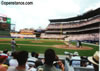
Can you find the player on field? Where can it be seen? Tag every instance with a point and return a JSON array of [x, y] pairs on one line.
[[13, 45]]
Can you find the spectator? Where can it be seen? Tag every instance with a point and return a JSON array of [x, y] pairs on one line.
[[75, 60], [5, 53], [89, 65], [31, 60], [49, 59], [3, 67], [83, 61], [36, 55], [58, 63], [33, 67], [21, 58], [38, 63], [13, 61], [95, 60]]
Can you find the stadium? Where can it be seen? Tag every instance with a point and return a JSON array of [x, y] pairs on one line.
[[85, 26], [61, 35]]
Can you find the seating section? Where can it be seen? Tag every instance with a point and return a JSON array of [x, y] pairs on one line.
[[67, 60]]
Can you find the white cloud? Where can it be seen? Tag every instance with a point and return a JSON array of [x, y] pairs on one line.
[[38, 14]]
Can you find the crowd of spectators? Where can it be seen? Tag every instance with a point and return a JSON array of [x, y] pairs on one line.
[[52, 36], [56, 29], [17, 35], [21, 61], [94, 36], [75, 60], [75, 24]]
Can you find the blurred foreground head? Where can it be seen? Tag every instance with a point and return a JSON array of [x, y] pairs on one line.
[[22, 57], [49, 56]]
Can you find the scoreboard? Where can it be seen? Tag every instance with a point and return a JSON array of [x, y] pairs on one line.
[[5, 23], [5, 20], [4, 26]]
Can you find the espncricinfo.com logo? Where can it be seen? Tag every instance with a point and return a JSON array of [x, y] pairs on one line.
[[16, 3]]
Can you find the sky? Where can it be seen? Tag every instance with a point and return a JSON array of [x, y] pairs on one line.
[[39, 14]]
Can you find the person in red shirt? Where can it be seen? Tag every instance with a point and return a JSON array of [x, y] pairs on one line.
[[3, 67]]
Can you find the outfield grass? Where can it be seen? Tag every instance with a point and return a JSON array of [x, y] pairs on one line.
[[49, 43]]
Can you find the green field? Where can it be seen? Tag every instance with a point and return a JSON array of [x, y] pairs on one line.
[[40, 45]]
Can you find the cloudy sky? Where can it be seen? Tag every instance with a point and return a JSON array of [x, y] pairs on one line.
[[38, 14]]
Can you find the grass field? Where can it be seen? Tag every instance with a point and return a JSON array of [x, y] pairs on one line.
[[41, 45]]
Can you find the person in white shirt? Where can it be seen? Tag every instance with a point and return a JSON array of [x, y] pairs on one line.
[[13, 61], [75, 60], [31, 62]]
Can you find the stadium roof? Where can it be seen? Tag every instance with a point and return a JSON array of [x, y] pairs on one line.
[[86, 15]]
